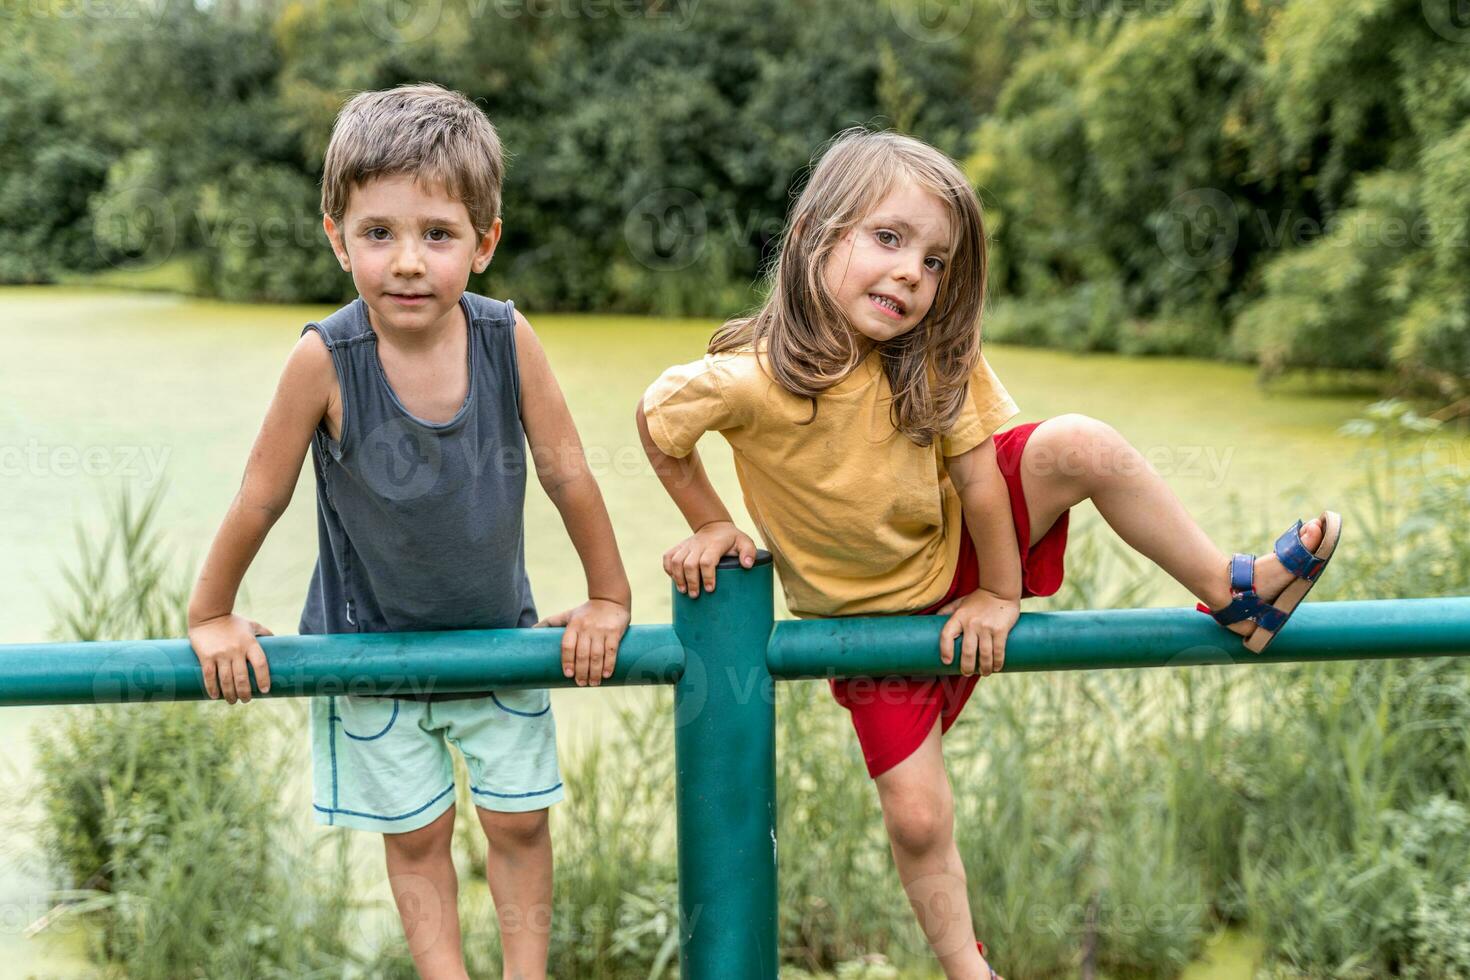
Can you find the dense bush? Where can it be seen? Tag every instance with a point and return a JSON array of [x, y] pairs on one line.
[[48, 173], [1284, 182]]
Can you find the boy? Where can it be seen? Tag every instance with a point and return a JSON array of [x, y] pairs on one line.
[[417, 400]]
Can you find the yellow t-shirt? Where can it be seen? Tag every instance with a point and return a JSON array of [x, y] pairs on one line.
[[857, 517]]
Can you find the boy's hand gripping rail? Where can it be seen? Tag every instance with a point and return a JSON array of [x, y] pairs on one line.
[[343, 663]]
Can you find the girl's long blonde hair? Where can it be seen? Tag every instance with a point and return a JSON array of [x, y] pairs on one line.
[[804, 333]]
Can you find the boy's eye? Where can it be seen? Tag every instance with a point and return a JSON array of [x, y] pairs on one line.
[[439, 231], [372, 233]]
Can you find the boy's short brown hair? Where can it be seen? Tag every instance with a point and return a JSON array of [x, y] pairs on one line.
[[426, 130]]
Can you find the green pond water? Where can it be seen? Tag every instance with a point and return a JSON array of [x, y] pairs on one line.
[[105, 388]]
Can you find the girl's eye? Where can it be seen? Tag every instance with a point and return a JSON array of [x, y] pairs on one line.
[[886, 237], [935, 263]]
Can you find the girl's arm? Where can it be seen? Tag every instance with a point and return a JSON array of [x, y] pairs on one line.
[[987, 506], [223, 641], [595, 628], [691, 563], [985, 617]]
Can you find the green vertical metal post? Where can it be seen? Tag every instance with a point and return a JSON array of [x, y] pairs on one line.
[[725, 756]]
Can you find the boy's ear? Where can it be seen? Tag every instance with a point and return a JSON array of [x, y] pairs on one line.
[[339, 247], [485, 249]]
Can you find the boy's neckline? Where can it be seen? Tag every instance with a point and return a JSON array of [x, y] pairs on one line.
[[380, 336], [469, 354]]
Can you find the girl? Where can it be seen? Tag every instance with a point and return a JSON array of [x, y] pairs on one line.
[[866, 427]]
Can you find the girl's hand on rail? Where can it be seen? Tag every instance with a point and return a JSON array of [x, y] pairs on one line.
[[224, 645], [985, 619], [589, 647], [691, 563]]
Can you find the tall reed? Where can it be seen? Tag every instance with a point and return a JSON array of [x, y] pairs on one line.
[[166, 820]]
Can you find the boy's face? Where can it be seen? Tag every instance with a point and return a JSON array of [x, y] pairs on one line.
[[410, 248], [885, 272]]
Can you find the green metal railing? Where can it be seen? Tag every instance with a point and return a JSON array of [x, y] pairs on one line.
[[722, 654]]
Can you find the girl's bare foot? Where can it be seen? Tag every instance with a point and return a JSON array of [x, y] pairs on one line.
[[1271, 577]]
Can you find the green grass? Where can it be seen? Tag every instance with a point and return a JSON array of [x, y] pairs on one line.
[[1234, 955], [173, 275]]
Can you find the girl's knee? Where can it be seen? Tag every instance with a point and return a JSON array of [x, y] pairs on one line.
[[1081, 448], [919, 815], [1081, 431], [919, 829], [515, 830]]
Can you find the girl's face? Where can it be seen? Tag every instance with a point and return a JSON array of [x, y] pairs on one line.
[[885, 271], [410, 249]]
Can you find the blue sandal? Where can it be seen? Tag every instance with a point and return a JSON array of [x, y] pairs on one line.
[[1305, 565]]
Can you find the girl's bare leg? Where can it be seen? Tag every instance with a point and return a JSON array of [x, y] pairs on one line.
[[1072, 458], [918, 810]]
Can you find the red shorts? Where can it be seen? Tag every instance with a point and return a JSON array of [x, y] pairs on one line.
[[893, 715]]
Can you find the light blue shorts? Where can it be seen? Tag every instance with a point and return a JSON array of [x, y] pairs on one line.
[[383, 764]]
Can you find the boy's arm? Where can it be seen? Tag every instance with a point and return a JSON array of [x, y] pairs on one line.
[[589, 645], [691, 563], [985, 616], [222, 640]]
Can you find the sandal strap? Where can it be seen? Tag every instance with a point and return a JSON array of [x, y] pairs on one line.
[[1242, 584], [1295, 557], [1243, 574], [1244, 603]]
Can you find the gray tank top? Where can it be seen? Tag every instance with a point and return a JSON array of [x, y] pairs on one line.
[[420, 524]]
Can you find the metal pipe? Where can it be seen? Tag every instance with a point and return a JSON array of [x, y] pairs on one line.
[[1096, 640], [351, 663], [467, 660], [725, 757]]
